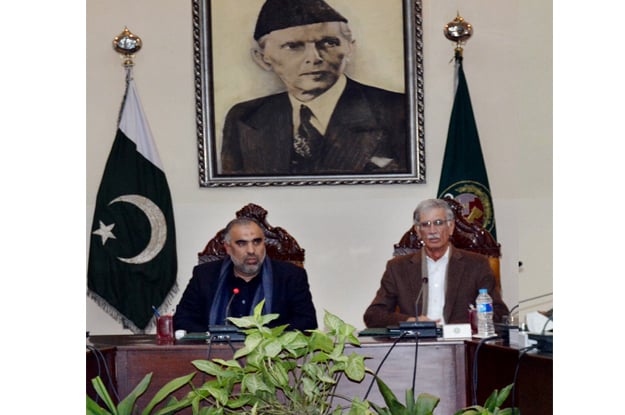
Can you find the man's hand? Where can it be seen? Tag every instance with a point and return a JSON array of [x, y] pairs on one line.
[[422, 318]]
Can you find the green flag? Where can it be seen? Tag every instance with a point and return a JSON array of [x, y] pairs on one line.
[[463, 176], [132, 254]]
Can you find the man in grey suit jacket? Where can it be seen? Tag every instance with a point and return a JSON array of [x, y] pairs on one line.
[[325, 123], [443, 279]]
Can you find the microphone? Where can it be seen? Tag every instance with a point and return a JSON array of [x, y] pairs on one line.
[[424, 283], [235, 291], [418, 329], [529, 299]]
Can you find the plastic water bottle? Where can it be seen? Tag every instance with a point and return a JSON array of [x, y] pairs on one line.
[[484, 305]]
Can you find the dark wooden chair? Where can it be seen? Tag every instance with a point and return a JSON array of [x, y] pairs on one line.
[[280, 244], [466, 235]]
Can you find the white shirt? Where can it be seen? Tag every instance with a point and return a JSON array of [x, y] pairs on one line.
[[436, 286], [322, 107]]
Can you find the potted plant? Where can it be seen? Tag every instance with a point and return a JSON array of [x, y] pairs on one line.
[[281, 372], [423, 405], [492, 405], [128, 405]]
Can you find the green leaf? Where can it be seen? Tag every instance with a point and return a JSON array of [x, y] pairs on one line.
[[243, 351], [94, 409], [411, 403], [491, 401], [353, 340], [380, 410], [390, 399], [243, 322], [239, 402], [426, 404], [273, 348], [355, 369], [173, 406], [295, 343], [253, 339], [332, 322], [320, 358], [100, 389], [503, 395], [312, 370], [321, 341], [166, 390], [326, 379], [345, 330], [310, 387], [227, 363], [359, 407], [218, 392], [469, 411], [127, 405], [270, 317], [258, 310], [337, 352], [209, 410], [254, 384], [209, 367], [279, 375]]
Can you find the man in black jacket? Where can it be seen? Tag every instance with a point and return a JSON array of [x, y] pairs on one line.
[[234, 286], [325, 122]]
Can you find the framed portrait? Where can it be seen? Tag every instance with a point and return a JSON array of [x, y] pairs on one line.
[[309, 92]]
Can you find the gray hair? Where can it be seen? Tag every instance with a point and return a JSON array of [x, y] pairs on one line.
[[430, 204], [238, 221]]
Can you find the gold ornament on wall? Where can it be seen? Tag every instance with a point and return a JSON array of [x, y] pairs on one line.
[[127, 44], [458, 31]]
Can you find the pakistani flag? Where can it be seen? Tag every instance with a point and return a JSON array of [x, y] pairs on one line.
[[132, 255], [463, 176]]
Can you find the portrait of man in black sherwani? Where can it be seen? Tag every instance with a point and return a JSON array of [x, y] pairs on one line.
[[324, 122]]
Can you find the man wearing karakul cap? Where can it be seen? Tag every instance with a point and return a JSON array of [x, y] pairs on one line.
[[325, 122]]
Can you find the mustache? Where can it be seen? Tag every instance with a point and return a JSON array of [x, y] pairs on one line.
[[434, 236]]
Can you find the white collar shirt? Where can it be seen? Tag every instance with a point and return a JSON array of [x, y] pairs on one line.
[[437, 270], [322, 107]]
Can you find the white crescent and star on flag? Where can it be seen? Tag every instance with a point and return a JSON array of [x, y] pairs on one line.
[[158, 226]]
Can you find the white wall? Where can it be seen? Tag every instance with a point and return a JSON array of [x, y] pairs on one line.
[[347, 231]]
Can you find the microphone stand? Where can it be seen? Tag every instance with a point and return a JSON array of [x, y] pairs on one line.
[[419, 329], [235, 291], [424, 283]]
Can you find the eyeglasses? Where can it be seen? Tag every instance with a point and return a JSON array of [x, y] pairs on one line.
[[437, 223]]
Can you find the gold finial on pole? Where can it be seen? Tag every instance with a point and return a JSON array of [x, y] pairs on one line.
[[458, 31], [127, 44]]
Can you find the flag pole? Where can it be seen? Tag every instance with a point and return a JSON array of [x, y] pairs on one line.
[[463, 172], [132, 254], [458, 31], [126, 44]]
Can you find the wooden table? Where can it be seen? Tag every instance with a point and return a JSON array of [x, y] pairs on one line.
[[440, 366], [496, 367], [444, 369]]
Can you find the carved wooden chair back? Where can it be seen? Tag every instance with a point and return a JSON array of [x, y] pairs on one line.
[[466, 235], [280, 244]]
